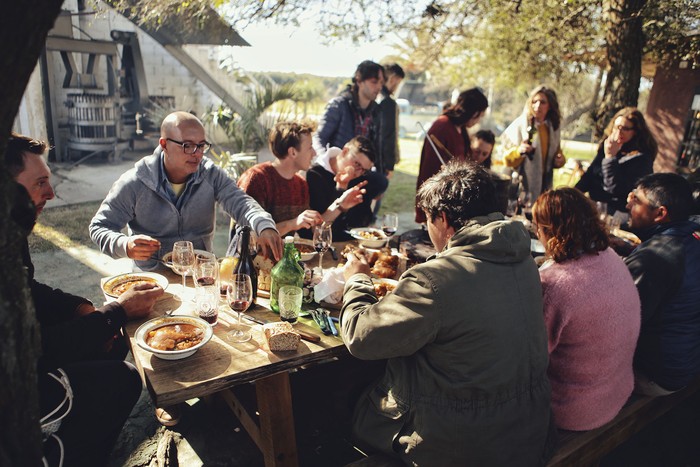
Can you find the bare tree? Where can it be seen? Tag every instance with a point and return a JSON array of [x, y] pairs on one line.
[[22, 35]]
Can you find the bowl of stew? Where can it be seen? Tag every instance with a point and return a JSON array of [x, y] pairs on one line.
[[173, 337], [305, 248]]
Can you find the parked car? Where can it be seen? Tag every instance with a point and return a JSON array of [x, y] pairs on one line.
[[411, 115]]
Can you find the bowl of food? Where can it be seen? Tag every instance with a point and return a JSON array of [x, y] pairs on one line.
[[173, 337], [305, 248], [199, 254], [383, 287], [369, 236], [114, 286]]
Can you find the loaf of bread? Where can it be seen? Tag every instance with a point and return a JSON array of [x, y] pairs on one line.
[[281, 336]]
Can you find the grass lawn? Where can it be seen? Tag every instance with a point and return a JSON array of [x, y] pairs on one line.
[[400, 196]]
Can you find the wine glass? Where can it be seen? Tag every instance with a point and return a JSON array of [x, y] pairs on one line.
[[239, 296], [183, 259], [323, 237], [390, 223], [206, 270]]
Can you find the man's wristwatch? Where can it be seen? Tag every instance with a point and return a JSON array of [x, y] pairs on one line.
[[336, 205]]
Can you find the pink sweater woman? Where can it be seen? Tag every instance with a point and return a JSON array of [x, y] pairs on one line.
[[591, 310]]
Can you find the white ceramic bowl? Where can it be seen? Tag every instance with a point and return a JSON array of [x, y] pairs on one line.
[[304, 241], [377, 238], [148, 326], [109, 284], [168, 258]]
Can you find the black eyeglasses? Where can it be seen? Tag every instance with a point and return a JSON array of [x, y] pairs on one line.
[[191, 148]]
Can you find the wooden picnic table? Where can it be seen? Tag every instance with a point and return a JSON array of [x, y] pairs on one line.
[[220, 365]]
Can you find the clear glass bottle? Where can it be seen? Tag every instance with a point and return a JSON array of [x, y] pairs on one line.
[[286, 272]]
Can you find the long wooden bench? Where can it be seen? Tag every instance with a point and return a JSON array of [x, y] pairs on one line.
[[588, 447]]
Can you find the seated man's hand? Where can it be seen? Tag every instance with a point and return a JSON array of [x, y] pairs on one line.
[[270, 243], [141, 247], [353, 196], [357, 263], [139, 299], [308, 219]]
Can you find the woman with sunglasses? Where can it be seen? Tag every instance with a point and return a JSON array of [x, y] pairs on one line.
[[625, 155]]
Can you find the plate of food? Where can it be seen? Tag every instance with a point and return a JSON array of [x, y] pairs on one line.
[[305, 248], [369, 236], [173, 337], [199, 254], [384, 262], [114, 286], [383, 287]]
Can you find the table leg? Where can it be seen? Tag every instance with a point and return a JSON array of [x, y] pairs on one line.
[[276, 420]]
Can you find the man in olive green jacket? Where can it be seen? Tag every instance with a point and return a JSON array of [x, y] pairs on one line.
[[465, 381]]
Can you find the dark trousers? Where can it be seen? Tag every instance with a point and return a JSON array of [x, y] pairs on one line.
[[104, 392]]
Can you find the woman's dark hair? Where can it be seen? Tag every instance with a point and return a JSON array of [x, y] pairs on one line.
[[553, 115], [486, 135], [469, 104], [642, 140], [570, 222], [461, 189]]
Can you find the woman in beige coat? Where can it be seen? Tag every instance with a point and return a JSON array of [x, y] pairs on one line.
[[465, 381]]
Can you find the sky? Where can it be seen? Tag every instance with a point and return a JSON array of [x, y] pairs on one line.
[[299, 50]]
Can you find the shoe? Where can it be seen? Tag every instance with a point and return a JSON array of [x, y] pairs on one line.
[[169, 416]]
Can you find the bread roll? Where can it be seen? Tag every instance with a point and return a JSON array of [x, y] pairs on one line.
[[281, 336]]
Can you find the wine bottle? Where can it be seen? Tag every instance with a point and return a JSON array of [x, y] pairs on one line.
[[286, 272], [531, 130], [245, 262]]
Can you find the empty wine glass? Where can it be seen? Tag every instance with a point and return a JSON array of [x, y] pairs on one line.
[[390, 223], [323, 237], [239, 296], [183, 259]]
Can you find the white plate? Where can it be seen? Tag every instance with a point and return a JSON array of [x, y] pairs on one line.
[[168, 258], [370, 243], [304, 241], [536, 247], [155, 323], [390, 282], [109, 283]]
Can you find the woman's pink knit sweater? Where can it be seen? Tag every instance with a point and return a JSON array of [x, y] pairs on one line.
[[592, 313]]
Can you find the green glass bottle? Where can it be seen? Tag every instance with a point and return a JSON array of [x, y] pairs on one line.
[[286, 272]]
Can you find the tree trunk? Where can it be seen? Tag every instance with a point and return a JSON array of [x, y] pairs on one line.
[[23, 31], [625, 41]]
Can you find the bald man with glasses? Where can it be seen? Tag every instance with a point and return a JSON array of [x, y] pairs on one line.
[[171, 195]]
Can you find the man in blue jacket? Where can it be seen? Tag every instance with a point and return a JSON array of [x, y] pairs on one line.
[[355, 113], [666, 270], [171, 195]]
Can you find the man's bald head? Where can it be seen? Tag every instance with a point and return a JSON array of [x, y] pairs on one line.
[[177, 120]]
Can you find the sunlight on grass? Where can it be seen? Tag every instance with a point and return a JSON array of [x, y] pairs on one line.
[[89, 257]]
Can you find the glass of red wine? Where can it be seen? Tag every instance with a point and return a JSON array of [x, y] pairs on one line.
[[390, 223], [239, 296], [323, 237], [206, 270]]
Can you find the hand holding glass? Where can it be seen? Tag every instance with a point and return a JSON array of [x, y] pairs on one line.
[[239, 296]]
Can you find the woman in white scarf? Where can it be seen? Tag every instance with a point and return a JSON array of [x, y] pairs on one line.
[[537, 158]]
